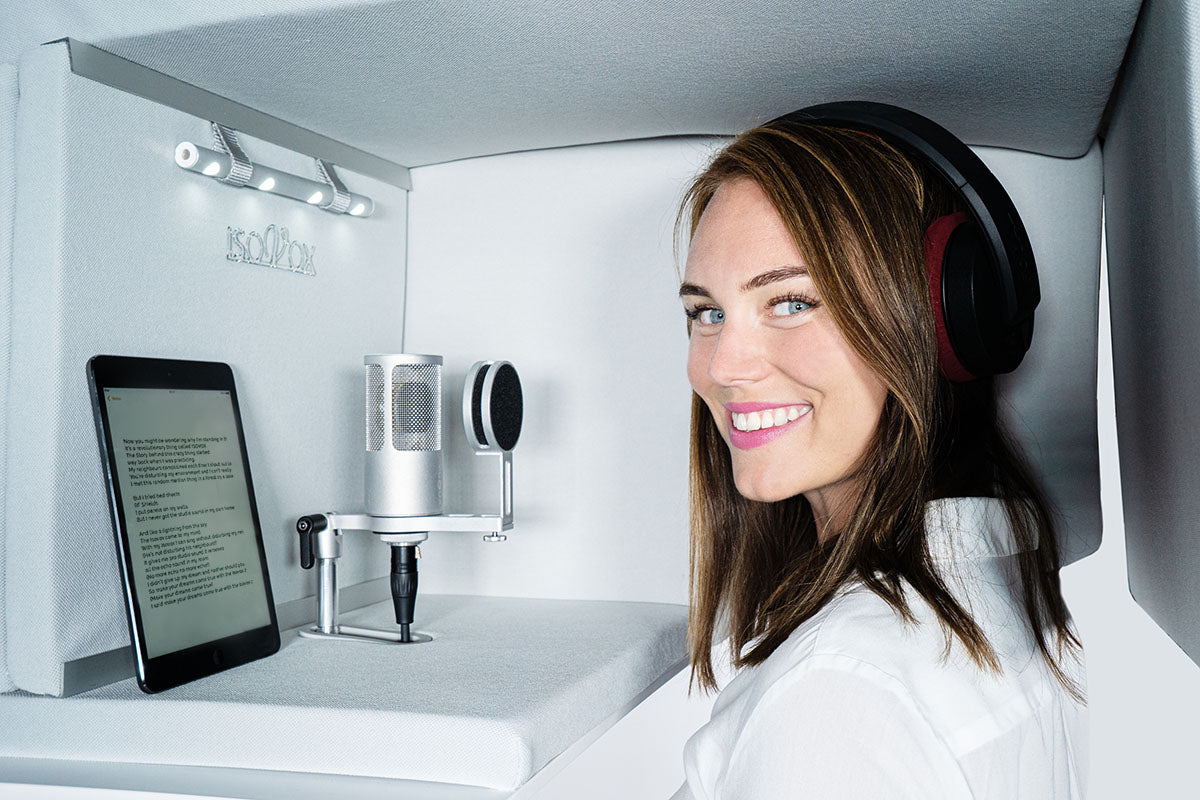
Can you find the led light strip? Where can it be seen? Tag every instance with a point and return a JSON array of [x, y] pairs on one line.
[[217, 165]]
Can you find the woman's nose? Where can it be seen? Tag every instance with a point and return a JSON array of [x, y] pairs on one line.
[[737, 356]]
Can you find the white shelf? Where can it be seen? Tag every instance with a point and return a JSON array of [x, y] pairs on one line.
[[506, 685]]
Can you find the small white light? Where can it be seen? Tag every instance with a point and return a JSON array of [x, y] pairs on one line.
[[186, 154], [282, 184]]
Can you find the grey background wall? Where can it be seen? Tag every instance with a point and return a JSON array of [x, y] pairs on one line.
[[560, 261]]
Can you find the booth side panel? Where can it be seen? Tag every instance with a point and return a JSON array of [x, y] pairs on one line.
[[1152, 203], [8, 194], [120, 251], [30, 610]]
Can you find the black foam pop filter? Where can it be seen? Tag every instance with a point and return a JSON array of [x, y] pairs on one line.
[[506, 406], [493, 406]]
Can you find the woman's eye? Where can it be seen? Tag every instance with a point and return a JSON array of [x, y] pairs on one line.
[[787, 308], [706, 316]]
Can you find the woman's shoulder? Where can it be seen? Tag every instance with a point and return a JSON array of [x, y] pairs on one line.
[[860, 635], [859, 632], [863, 626]]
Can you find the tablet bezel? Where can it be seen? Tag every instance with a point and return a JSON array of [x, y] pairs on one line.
[[181, 666]]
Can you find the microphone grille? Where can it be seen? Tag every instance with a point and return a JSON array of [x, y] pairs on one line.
[[375, 407], [417, 407]]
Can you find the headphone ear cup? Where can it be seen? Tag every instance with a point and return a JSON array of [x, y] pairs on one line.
[[935, 244]]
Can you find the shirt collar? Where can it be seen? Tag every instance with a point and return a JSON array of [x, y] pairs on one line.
[[969, 528]]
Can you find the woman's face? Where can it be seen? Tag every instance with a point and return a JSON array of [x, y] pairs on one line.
[[795, 404]]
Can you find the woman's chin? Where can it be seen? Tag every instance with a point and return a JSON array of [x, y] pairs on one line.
[[758, 487]]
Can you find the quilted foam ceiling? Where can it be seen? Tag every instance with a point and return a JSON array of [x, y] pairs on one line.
[[427, 81]]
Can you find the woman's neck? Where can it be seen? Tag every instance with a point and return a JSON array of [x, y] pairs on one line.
[[831, 506]]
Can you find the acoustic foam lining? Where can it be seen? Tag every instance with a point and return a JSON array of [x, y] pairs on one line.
[[423, 83]]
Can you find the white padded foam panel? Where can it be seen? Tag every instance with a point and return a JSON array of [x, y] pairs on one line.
[[560, 261], [421, 83], [1050, 399], [1152, 199], [118, 250], [8, 193], [505, 686]]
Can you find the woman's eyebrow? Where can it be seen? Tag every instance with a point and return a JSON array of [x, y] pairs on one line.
[[773, 276], [757, 282]]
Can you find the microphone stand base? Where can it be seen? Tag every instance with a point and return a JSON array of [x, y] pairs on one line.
[[347, 633]]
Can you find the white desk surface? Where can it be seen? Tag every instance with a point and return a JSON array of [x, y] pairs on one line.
[[506, 685]]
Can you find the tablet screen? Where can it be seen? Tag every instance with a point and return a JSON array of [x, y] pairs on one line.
[[194, 556]]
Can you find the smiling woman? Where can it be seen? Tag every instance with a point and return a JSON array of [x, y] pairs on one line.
[[763, 348], [863, 530]]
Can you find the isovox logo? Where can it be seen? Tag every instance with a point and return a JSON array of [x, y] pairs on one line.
[[272, 248]]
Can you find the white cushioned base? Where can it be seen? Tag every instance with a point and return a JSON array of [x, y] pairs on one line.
[[505, 686]]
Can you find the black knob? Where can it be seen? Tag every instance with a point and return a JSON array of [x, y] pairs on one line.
[[308, 528]]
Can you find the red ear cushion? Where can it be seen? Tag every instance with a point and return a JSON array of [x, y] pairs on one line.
[[936, 237]]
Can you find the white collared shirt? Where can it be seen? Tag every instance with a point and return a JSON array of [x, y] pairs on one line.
[[857, 705]]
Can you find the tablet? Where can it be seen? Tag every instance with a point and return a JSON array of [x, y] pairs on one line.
[[188, 539]]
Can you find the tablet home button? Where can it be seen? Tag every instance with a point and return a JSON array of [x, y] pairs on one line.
[[218, 657]]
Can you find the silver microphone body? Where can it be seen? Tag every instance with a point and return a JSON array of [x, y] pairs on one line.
[[403, 435]]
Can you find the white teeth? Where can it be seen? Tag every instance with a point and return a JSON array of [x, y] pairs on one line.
[[769, 418]]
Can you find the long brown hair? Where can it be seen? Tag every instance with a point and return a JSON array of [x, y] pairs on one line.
[[857, 209]]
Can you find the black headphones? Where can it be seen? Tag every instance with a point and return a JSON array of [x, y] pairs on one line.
[[982, 277]]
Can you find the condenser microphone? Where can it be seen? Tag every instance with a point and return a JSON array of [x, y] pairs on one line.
[[403, 488], [403, 435]]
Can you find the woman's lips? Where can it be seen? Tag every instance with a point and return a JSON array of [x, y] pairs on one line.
[[748, 440]]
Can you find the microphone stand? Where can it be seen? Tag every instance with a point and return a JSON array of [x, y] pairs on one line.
[[321, 541]]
